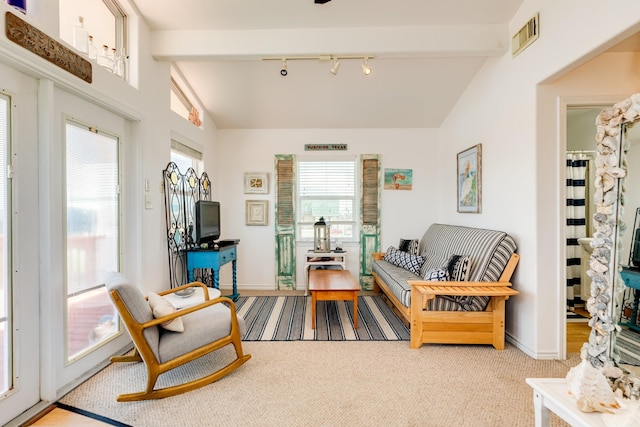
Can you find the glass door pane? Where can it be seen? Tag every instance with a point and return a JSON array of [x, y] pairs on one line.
[[6, 374], [92, 236]]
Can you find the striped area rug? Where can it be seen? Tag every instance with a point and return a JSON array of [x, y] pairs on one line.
[[288, 318], [628, 346]]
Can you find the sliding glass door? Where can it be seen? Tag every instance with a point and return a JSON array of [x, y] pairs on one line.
[[6, 341], [19, 258]]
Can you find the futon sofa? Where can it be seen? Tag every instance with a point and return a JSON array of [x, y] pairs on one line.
[[451, 286]]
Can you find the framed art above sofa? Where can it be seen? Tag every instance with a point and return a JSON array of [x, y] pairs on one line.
[[469, 177]]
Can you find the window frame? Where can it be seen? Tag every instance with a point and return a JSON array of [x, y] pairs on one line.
[[180, 88], [184, 150], [120, 26], [73, 357], [354, 222]]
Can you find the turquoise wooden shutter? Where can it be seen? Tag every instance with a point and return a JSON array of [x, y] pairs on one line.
[[369, 217], [285, 223]]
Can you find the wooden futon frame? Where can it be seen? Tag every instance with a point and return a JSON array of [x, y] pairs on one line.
[[455, 327]]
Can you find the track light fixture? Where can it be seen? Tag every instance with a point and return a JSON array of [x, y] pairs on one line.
[[366, 70], [336, 65]]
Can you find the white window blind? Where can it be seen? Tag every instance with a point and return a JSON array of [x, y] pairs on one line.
[[92, 184], [327, 188], [185, 157]]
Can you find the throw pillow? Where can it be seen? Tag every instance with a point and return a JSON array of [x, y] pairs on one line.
[[161, 307], [458, 268], [404, 259], [437, 275], [409, 245]]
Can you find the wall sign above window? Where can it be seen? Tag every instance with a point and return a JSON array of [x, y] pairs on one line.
[[325, 147]]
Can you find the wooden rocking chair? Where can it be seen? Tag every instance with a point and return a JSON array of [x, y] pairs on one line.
[[208, 326]]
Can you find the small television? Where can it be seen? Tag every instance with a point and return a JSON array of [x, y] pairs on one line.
[[207, 221]]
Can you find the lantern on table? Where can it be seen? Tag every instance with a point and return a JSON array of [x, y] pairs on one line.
[[321, 236]]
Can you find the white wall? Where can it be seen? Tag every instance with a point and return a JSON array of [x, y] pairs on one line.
[[581, 129], [517, 124], [405, 214]]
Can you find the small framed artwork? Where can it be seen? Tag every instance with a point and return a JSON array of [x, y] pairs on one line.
[[398, 179], [256, 183], [469, 178], [257, 212]]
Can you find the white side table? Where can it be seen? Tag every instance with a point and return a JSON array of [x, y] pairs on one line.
[[196, 298], [551, 395], [322, 259]]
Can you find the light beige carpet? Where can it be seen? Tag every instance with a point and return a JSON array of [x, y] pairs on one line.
[[306, 383]]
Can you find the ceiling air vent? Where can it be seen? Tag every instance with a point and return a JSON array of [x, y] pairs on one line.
[[527, 35]]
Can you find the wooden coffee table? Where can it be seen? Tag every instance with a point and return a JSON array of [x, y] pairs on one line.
[[333, 285]]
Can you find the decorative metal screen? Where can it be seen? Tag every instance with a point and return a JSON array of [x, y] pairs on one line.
[[181, 192]]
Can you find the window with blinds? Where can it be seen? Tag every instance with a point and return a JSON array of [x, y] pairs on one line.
[[327, 188], [92, 234], [185, 157]]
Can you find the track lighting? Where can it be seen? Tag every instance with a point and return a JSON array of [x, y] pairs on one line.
[[336, 65], [366, 70]]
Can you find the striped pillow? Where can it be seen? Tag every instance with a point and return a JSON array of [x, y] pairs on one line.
[[458, 268]]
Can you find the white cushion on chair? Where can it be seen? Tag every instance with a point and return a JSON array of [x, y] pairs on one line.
[[161, 307]]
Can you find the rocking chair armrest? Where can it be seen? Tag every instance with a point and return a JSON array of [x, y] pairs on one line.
[[186, 286], [184, 311]]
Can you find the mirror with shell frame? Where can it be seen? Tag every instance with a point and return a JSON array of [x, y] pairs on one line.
[[613, 305]]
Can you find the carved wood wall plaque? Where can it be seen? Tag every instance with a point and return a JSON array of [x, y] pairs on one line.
[[34, 40]]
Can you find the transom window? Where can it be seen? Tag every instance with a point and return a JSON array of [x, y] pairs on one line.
[[327, 188], [184, 101], [104, 20]]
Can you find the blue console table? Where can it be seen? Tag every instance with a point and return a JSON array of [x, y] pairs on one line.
[[631, 279], [214, 259]]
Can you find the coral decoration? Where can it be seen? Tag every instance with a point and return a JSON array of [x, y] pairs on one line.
[[194, 116]]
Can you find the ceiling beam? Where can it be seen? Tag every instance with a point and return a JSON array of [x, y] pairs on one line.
[[383, 42]]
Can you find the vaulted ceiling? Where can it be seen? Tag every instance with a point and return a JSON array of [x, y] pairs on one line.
[[424, 54]]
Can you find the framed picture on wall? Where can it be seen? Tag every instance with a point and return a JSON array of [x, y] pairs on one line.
[[469, 179], [256, 183], [257, 212], [398, 179]]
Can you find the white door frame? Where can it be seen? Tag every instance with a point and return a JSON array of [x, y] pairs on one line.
[[565, 103]]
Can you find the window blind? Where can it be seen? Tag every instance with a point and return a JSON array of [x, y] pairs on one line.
[[184, 149], [326, 178], [327, 189]]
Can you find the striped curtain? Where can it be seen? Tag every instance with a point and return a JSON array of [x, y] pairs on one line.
[[576, 227]]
